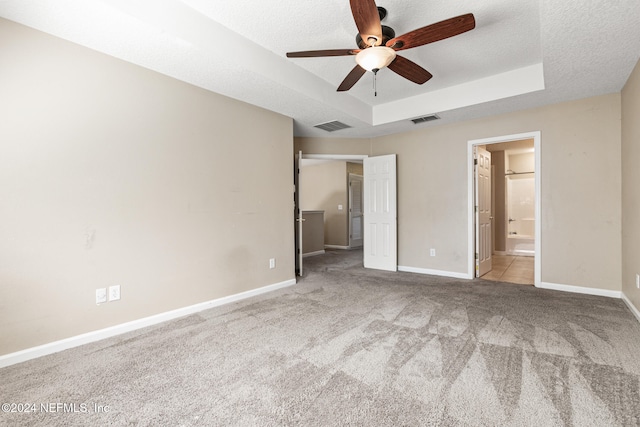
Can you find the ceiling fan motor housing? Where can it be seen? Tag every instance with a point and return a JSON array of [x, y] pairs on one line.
[[387, 34]]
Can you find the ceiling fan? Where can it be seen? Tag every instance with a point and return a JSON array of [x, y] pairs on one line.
[[378, 44]]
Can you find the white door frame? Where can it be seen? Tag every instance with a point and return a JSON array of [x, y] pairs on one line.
[[470, 199]]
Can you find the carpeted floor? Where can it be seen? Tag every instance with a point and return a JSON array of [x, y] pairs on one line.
[[348, 346]]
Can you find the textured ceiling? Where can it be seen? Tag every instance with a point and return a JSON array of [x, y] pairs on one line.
[[521, 54]]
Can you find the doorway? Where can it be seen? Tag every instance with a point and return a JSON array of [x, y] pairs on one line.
[[514, 249], [355, 200], [323, 186], [378, 206]]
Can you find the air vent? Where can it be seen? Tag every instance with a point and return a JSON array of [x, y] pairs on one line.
[[332, 126], [430, 118]]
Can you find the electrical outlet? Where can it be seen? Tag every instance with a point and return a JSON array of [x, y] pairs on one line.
[[432, 252], [101, 295], [114, 293], [272, 263], [637, 280]]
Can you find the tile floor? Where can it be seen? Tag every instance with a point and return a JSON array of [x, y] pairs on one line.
[[512, 269]]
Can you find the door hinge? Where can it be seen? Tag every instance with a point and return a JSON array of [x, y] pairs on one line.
[[475, 162]]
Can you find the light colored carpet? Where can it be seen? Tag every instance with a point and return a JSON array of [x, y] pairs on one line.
[[348, 346]]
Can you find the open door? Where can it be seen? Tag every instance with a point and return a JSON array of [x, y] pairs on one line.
[[297, 213], [380, 213], [482, 165], [355, 211]]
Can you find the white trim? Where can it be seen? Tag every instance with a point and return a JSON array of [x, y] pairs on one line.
[[632, 307], [336, 247], [89, 337], [492, 88], [580, 290], [308, 254], [433, 272], [537, 268], [334, 156]]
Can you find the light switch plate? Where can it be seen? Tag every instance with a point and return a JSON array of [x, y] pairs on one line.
[[114, 293]]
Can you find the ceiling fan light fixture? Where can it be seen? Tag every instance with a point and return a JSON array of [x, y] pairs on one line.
[[375, 58]]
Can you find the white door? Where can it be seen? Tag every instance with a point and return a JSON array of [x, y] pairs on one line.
[[380, 213], [297, 213], [355, 210], [483, 211]]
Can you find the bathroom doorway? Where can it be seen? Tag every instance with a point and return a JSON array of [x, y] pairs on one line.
[[514, 251]]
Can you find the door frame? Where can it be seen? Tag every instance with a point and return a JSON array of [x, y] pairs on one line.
[[535, 135]]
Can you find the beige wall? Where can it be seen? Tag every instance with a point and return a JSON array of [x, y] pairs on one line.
[[354, 168], [323, 187], [332, 145], [580, 158], [580, 186], [631, 186], [113, 174], [521, 162]]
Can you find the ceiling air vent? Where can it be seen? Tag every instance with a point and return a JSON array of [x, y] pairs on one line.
[[332, 126], [430, 118]]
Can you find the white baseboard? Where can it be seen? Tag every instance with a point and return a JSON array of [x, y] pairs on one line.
[[89, 337], [336, 247], [313, 253], [580, 290], [632, 307], [433, 272]]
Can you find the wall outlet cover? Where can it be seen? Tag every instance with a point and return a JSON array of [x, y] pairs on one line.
[[432, 252], [101, 295], [272, 263]]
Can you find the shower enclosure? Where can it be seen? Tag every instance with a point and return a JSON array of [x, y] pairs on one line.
[[521, 213]]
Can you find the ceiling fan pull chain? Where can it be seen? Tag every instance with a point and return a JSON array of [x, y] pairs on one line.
[[375, 86]]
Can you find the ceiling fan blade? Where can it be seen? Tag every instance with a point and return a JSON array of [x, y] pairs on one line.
[[365, 13], [434, 32], [352, 78], [318, 53], [409, 70]]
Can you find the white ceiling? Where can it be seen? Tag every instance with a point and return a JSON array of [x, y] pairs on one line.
[[522, 54]]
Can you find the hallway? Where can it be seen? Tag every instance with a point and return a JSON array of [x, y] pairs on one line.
[[512, 269]]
